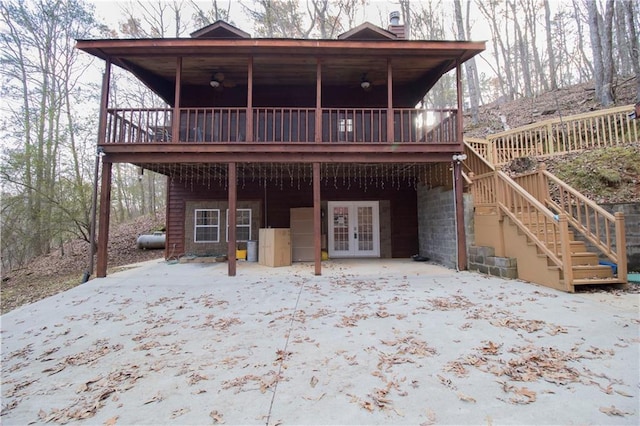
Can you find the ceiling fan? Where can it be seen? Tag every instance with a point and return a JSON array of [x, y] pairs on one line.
[[368, 84], [218, 81]]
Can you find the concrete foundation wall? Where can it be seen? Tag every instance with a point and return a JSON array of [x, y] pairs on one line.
[[632, 231], [437, 227]]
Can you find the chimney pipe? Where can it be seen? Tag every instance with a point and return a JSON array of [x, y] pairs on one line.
[[394, 25], [394, 17]]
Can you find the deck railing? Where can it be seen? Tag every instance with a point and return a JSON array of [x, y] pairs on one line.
[[609, 127], [269, 124], [129, 125]]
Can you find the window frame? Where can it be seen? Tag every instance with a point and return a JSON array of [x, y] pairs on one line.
[[196, 226], [240, 226]]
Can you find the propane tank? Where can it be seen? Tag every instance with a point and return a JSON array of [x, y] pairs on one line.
[[152, 241]]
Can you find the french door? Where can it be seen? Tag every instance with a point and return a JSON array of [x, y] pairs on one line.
[[354, 229]]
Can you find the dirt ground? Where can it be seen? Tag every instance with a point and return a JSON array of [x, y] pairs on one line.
[[64, 268]]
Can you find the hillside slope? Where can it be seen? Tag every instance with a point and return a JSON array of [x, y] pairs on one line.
[[557, 103], [609, 175], [64, 268]]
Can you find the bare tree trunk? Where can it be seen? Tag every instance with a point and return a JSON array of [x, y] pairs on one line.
[[469, 69], [498, 46], [596, 47], [579, 21], [634, 44], [553, 82], [607, 54]]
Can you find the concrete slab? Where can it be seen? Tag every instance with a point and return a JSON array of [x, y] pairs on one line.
[[368, 342]]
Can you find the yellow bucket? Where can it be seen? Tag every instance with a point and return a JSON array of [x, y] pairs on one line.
[[325, 255], [241, 254]]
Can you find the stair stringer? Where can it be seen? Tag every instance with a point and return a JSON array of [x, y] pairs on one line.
[[531, 266]]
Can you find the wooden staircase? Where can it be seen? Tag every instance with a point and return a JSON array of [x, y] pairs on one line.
[[537, 218], [586, 268]]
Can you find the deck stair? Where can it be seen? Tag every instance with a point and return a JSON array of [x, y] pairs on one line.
[[559, 237], [585, 263]]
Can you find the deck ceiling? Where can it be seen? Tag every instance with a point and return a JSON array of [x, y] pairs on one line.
[[283, 62]]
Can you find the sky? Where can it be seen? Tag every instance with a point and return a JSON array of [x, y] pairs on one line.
[[376, 12]]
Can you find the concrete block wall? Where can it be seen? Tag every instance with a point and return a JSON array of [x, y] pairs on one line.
[[632, 231], [484, 260], [436, 224]]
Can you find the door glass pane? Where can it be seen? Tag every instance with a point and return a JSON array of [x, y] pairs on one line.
[[365, 228], [340, 219]]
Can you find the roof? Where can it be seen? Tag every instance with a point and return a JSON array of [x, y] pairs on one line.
[[367, 31], [220, 30], [365, 50]]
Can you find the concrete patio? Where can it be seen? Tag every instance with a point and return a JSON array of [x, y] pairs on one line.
[[368, 342]]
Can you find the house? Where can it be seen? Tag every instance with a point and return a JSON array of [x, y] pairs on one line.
[[256, 128]]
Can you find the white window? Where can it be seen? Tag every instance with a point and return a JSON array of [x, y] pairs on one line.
[[346, 125], [243, 224], [206, 226]]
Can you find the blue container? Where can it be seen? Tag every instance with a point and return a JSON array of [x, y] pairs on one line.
[[613, 266]]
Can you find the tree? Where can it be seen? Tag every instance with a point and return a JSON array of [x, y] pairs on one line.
[[601, 48], [634, 44], [471, 72], [278, 19], [216, 12], [41, 74]]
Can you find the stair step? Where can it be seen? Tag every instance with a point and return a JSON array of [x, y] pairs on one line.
[[575, 246], [598, 281], [584, 258], [578, 259], [592, 271]]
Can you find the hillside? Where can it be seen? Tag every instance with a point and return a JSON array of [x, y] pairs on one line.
[[64, 268], [558, 103], [610, 175]]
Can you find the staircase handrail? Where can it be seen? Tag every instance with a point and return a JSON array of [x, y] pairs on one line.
[[601, 238], [482, 147], [542, 237], [476, 161]]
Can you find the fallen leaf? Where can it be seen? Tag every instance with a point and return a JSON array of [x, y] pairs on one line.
[[112, 421], [314, 381], [529, 396], [367, 405], [156, 398], [613, 411], [179, 412], [217, 417], [465, 398]]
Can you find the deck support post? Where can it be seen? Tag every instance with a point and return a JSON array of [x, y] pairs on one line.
[[102, 132], [231, 250], [175, 126], [621, 247], [249, 129], [390, 130], [458, 184], [318, 117], [105, 212], [317, 227]]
